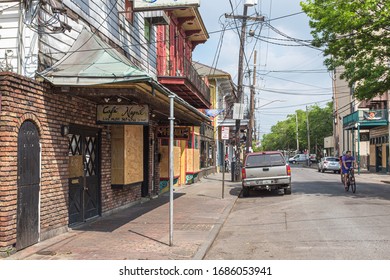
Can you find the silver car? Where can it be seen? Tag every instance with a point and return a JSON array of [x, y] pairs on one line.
[[329, 164]]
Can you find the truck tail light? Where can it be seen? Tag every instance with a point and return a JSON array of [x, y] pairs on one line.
[[288, 169], [243, 172]]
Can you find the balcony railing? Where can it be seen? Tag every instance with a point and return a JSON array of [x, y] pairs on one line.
[[366, 119], [193, 76]]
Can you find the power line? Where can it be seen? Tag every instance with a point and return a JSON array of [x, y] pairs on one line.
[[268, 20], [297, 105], [290, 81], [302, 71], [292, 93]]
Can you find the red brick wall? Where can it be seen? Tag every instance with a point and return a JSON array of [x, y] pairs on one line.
[[26, 99]]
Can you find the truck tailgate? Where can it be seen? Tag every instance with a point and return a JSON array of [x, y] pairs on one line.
[[265, 172]]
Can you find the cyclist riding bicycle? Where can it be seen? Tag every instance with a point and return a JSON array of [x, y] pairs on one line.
[[348, 162]]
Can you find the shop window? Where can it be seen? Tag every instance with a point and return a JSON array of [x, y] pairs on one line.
[[196, 146], [147, 30], [190, 142], [203, 154]]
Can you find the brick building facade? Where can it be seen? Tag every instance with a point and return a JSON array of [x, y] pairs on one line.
[[26, 100], [60, 164]]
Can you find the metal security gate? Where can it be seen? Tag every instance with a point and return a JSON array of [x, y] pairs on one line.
[[84, 173], [28, 186]]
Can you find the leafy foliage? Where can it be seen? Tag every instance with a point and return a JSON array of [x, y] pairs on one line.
[[356, 37], [283, 134]]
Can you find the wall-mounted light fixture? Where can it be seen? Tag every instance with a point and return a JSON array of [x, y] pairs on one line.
[[64, 130], [119, 100], [106, 99]]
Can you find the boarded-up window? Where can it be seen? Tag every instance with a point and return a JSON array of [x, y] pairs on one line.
[[127, 154]]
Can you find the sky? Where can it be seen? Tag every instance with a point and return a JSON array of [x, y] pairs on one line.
[[289, 76]]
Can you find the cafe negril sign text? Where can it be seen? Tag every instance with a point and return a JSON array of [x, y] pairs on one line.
[[122, 114]]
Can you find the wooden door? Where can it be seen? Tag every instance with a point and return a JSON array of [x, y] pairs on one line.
[[28, 186]]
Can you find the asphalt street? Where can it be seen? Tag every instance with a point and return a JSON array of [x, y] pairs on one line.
[[318, 221]]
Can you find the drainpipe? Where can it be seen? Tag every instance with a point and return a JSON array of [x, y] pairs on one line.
[[20, 54]]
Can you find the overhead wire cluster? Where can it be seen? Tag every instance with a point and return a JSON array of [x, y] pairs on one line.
[[54, 21], [30, 18], [281, 39]]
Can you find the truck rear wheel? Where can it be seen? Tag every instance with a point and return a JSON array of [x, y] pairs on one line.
[[287, 191]]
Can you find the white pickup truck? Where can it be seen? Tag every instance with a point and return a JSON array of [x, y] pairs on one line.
[[266, 171]]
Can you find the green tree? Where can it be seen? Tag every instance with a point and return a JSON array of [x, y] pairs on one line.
[[356, 37], [283, 134]]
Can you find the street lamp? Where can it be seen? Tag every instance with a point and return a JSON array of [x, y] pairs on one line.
[[272, 101], [357, 125]]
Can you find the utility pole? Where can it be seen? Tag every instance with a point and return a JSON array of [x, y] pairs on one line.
[[296, 118], [239, 97], [239, 93], [308, 136], [252, 107]]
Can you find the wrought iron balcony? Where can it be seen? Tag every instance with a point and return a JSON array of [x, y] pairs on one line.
[[189, 85], [366, 119]]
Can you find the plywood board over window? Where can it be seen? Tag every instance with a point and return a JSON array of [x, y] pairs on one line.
[[127, 154]]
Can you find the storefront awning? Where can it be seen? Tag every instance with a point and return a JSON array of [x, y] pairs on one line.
[[91, 62]]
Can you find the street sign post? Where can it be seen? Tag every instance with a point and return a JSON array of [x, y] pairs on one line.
[[225, 136]]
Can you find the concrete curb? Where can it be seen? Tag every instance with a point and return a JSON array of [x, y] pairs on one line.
[[202, 251]]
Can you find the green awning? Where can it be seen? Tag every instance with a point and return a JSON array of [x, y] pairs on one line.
[[91, 61]]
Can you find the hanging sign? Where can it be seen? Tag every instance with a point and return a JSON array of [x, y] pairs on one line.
[[225, 133], [180, 133], [122, 114], [373, 115], [238, 111]]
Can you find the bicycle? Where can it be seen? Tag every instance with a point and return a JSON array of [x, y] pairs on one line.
[[351, 182]]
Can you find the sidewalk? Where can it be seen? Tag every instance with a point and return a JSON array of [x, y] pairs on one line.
[[141, 232]]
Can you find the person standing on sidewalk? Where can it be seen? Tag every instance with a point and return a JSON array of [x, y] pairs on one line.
[[227, 163]]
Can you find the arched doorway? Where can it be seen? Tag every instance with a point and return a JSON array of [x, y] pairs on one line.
[[28, 186]]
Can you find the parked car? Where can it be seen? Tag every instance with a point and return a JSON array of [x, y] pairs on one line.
[[298, 158], [329, 164], [266, 171]]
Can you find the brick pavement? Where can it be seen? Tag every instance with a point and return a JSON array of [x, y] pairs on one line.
[[141, 232]]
